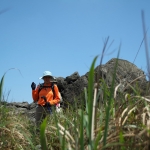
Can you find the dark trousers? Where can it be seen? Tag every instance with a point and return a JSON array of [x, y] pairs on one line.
[[41, 113]]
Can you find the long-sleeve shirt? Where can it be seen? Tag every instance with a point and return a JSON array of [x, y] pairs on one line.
[[52, 98]]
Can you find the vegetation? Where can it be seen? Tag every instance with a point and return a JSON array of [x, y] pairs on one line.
[[102, 124]]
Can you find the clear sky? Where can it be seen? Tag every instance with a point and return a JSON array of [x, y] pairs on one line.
[[63, 36]]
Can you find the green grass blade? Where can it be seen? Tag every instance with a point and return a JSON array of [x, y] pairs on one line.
[[1, 87], [2, 82], [109, 102], [121, 140], [99, 135], [90, 97], [86, 99], [82, 132], [42, 135]]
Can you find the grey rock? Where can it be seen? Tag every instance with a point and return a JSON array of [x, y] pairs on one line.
[[72, 78], [32, 105], [31, 113], [126, 73], [19, 104], [61, 83], [75, 90], [17, 111]]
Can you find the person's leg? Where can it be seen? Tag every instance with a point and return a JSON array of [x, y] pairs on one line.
[[40, 114]]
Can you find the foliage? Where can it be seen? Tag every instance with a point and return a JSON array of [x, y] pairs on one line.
[[117, 125]]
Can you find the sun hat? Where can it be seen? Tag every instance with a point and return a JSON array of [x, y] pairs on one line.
[[46, 73]]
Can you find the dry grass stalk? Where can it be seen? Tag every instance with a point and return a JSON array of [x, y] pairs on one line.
[[129, 84], [93, 113], [66, 132], [133, 109], [148, 128], [141, 97], [116, 88]]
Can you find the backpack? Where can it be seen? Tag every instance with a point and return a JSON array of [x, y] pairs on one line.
[[52, 86]]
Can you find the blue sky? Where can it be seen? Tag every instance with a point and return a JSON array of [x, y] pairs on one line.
[[63, 36]]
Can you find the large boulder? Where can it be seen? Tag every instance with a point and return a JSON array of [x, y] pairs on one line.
[[126, 74], [71, 87], [74, 91], [61, 83]]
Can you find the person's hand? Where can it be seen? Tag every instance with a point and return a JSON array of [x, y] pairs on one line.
[[48, 104], [44, 98], [33, 86]]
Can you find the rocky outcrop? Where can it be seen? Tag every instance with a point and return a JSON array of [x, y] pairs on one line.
[[72, 87], [127, 74]]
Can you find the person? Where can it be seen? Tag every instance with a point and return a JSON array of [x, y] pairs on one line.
[[44, 97], [58, 108]]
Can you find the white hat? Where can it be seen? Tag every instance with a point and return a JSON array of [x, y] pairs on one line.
[[46, 73]]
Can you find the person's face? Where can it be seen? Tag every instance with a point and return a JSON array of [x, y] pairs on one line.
[[47, 79]]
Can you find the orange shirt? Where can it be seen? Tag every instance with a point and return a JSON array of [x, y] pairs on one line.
[[48, 93]]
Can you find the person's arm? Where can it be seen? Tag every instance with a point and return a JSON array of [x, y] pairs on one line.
[[56, 99], [35, 94]]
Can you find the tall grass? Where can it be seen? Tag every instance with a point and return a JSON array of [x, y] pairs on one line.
[[14, 128], [1, 87], [116, 128], [124, 126]]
